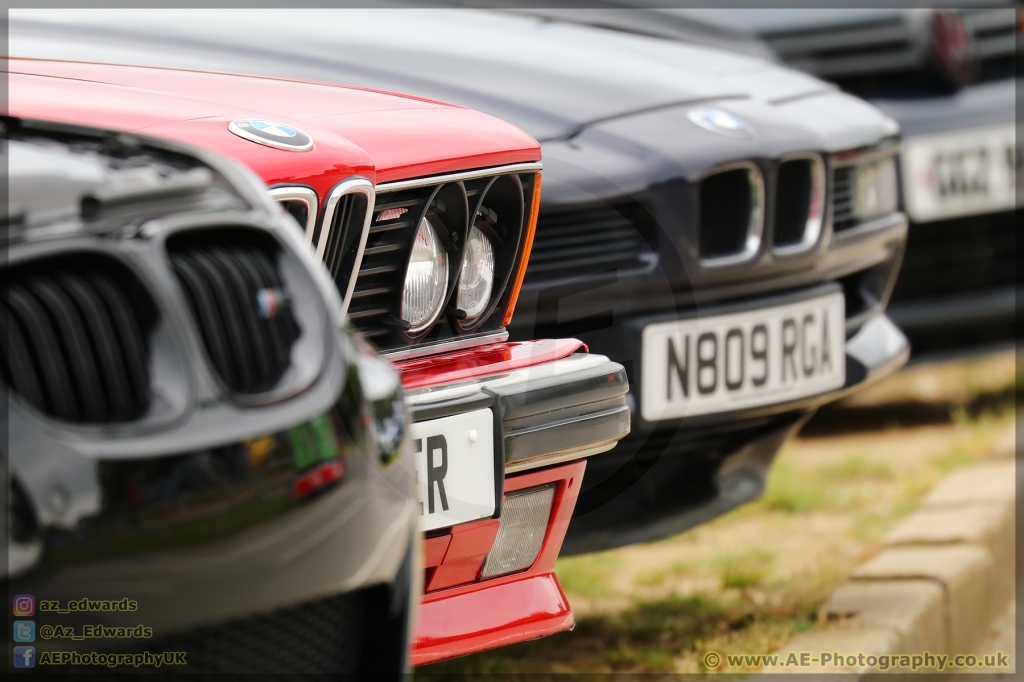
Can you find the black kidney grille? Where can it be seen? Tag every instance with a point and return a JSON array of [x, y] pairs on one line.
[[792, 202], [842, 200], [589, 240], [73, 340], [725, 209], [297, 209], [343, 239], [240, 306], [379, 282]]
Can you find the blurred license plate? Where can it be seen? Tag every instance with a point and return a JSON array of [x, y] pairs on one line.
[[958, 174], [741, 360], [456, 468]]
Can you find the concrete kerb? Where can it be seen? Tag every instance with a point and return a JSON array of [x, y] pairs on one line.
[[943, 575]]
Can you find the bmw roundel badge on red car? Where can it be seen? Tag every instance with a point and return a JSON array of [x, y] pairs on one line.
[[272, 134]]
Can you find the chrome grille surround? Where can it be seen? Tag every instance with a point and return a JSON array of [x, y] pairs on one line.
[[747, 232]]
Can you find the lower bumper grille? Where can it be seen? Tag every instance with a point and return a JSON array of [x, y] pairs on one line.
[[591, 240], [959, 255], [323, 636]]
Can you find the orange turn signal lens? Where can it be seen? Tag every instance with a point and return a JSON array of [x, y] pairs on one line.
[[527, 247]]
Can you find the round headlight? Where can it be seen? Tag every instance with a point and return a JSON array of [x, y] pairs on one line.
[[426, 279], [477, 277]]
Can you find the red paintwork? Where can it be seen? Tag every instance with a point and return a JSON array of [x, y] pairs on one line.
[[470, 543], [434, 549], [382, 136], [513, 608], [484, 361]]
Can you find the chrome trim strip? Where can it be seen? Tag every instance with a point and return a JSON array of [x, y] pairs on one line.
[[306, 195], [464, 175], [755, 228], [350, 186], [448, 345], [581, 452], [812, 229]]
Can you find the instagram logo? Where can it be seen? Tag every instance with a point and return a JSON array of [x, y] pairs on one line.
[[24, 605]]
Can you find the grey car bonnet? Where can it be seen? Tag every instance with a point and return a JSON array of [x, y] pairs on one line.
[[549, 77]]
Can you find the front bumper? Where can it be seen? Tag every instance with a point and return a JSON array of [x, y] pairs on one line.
[[668, 477], [554, 405], [553, 402]]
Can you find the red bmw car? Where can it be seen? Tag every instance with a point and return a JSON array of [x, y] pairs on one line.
[[423, 214]]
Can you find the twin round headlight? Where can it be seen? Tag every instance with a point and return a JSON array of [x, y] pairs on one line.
[[426, 279]]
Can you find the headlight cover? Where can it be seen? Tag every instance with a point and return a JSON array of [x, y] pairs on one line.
[[476, 280], [875, 192], [426, 279]]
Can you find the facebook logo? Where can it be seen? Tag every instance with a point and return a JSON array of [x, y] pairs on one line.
[[24, 631], [24, 657]]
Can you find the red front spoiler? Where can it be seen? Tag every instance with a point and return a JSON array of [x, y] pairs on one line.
[[476, 616], [460, 614]]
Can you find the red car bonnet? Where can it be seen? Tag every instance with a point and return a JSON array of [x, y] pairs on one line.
[[382, 136]]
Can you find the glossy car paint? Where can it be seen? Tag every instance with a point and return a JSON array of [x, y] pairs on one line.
[[611, 111], [461, 620], [962, 315], [471, 139], [205, 510], [484, 361], [383, 137]]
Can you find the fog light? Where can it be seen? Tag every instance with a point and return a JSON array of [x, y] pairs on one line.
[[524, 521]]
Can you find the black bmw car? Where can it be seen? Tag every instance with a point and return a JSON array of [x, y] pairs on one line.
[[160, 518], [724, 227]]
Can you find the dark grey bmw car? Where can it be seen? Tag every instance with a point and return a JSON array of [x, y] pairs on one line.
[[724, 227], [950, 75], [162, 515]]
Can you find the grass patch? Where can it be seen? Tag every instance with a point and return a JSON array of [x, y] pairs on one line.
[[588, 574], [745, 569], [857, 467], [789, 489], [659, 576]]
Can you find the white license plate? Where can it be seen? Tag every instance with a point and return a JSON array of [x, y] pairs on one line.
[[455, 467], [741, 360], [958, 174]]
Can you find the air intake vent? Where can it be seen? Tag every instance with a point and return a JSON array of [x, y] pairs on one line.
[[73, 339], [342, 240], [379, 284], [591, 239], [239, 304], [297, 209], [842, 200], [731, 205]]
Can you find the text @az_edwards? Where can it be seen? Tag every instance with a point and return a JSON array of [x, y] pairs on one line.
[[95, 632], [826, 659]]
